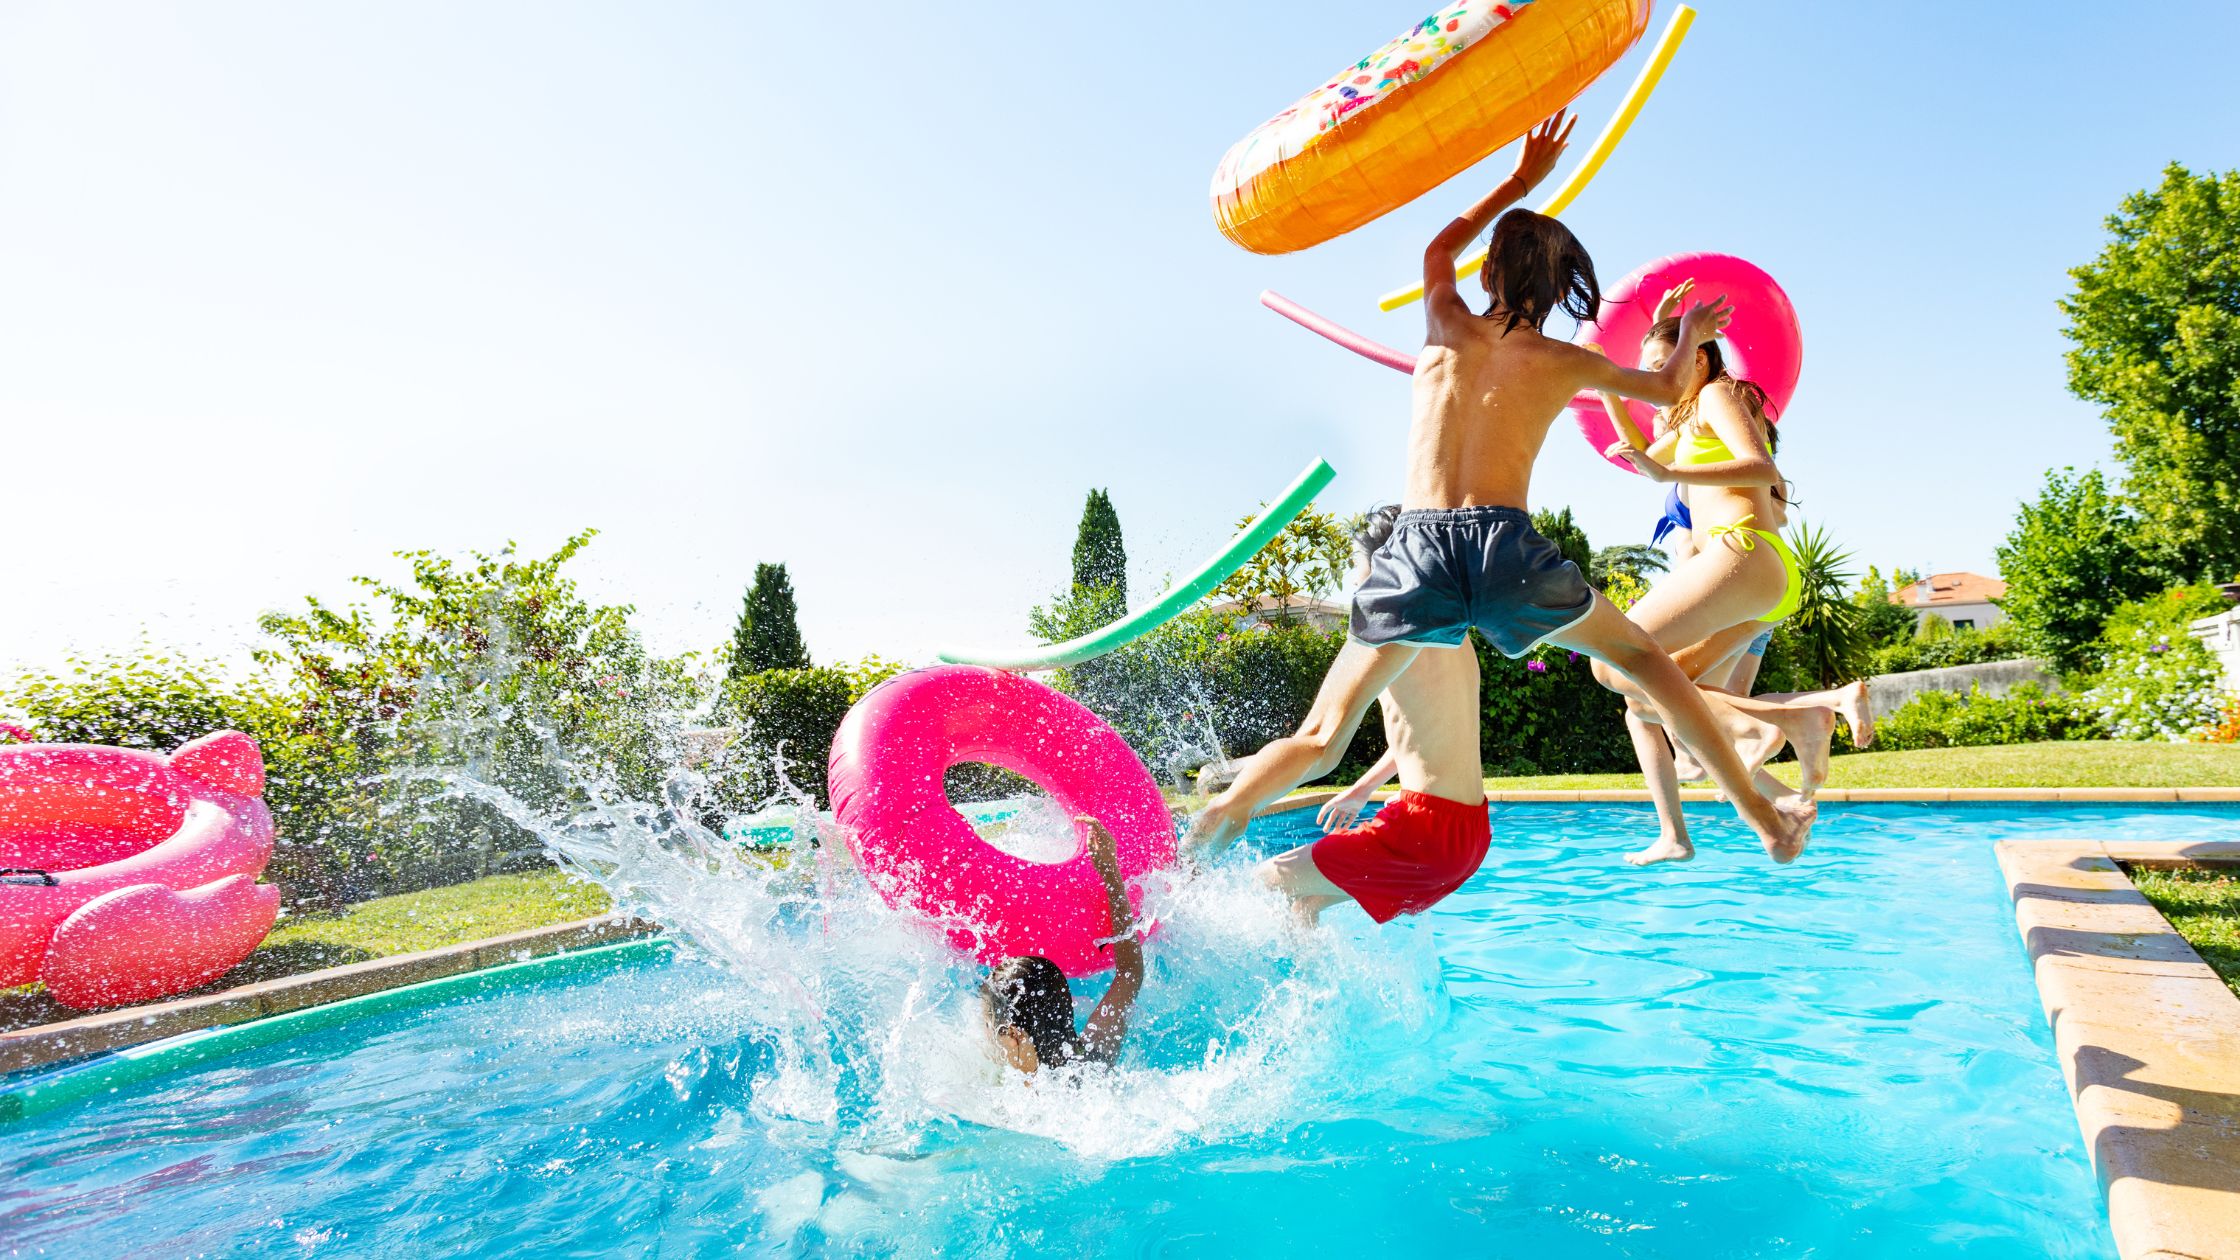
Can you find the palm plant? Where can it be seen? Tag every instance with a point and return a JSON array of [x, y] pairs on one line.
[[1828, 631], [1635, 560]]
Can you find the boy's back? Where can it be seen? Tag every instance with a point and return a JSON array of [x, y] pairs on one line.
[[1484, 399]]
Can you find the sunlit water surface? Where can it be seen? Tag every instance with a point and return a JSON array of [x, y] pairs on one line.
[[1569, 1057]]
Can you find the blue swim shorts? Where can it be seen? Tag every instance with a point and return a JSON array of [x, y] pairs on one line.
[[1446, 570]]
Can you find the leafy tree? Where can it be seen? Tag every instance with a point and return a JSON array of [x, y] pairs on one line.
[[1634, 561], [495, 671], [1100, 556], [1826, 631], [768, 635], [2068, 563], [2156, 322], [1309, 558], [1882, 621], [1565, 532]]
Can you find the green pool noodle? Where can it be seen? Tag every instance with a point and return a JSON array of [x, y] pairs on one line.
[[1190, 590]]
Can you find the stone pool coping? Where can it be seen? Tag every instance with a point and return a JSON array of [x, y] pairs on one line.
[[2116, 795], [2147, 1034], [45, 1044]]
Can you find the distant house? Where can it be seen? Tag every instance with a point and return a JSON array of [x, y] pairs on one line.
[[1322, 614], [1964, 599]]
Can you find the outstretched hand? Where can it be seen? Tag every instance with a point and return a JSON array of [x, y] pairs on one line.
[[1341, 811], [1543, 148], [1103, 850], [1671, 300], [1643, 462], [1705, 320]]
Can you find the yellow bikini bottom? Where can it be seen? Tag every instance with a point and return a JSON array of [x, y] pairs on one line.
[[1747, 537]]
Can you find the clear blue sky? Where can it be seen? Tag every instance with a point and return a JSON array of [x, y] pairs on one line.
[[880, 291]]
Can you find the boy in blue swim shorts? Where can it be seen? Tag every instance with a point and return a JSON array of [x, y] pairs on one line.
[[1464, 555]]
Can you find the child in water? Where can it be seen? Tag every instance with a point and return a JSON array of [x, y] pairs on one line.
[[1028, 1005]]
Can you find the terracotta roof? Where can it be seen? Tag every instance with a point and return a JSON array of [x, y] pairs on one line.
[[1950, 588]]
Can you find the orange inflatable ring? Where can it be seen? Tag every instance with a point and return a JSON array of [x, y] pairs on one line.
[[1453, 88]]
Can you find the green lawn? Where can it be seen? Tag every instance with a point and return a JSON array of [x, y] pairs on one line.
[[2204, 905], [2083, 763], [402, 924]]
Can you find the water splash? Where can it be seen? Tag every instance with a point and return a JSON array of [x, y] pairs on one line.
[[864, 1025]]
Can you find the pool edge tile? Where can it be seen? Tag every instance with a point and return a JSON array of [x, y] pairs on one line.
[[2149, 1042], [42, 1045]]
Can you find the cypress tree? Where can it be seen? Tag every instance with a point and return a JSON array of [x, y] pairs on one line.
[[769, 633], [1100, 557]]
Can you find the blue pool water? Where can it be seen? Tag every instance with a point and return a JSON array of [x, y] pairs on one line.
[[1568, 1058]]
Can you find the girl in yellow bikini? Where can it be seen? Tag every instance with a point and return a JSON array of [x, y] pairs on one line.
[[1741, 579]]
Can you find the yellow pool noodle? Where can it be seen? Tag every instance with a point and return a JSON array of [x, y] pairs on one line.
[[1614, 131]]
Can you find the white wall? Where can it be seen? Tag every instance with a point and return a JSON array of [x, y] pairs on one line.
[[1983, 615], [2222, 635]]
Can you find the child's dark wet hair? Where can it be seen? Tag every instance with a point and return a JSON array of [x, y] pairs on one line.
[[1535, 267], [1031, 995], [1371, 531]]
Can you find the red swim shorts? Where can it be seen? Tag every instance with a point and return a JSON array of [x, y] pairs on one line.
[[1409, 857]]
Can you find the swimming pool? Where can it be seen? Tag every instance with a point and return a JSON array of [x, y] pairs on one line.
[[1570, 1057]]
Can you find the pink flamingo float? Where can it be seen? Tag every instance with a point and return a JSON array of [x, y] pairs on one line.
[[128, 875]]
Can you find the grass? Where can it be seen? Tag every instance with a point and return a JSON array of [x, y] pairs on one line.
[[2204, 905], [403, 924], [2082, 763]]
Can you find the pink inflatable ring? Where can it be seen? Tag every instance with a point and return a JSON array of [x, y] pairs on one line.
[[921, 854], [130, 875], [1763, 344]]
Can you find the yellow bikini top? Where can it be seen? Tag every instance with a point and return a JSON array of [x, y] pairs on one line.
[[1700, 447]]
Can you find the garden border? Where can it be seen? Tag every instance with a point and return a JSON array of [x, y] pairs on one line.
[[44, 1044], [2147, 1033]]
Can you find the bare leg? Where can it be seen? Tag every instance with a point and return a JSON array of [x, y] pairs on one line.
[[1354, 681], [1606, 635], [1805, 727], [1654, 752], [1761, 724], [1850, 704], [1295, 875]]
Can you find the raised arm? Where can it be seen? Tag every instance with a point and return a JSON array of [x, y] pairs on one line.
[[1667, 384], [1542, 149], [1722, 410], [1108, 1024]]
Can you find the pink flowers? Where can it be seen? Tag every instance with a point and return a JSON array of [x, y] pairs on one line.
[[1537, 667]]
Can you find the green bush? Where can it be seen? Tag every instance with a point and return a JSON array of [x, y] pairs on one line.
[[2156, 681], [2164, 614], [2027, 714], [1545, 714], [494, 671], [2000, 642], [787, 718], [158, 702]]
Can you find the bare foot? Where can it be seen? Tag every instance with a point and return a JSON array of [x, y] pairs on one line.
[[1851, 706], [1685, 765], [1814, 728], [1666, 849], [1796, 814]]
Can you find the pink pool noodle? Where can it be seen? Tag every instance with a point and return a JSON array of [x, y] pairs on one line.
[[1367, 349]]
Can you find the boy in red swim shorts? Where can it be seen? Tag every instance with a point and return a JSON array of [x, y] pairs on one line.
[[1431, 837]]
